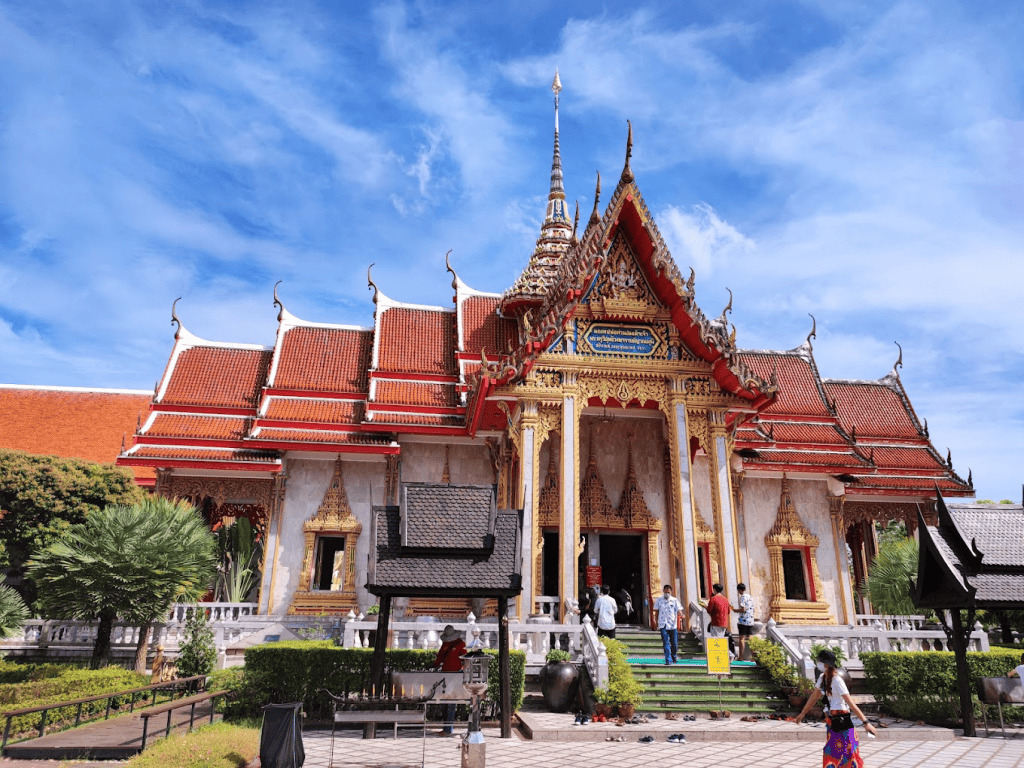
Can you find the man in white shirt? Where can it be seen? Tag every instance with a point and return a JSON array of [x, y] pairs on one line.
[[606, 608], [667, 608], [745, 622], [1018, 671]]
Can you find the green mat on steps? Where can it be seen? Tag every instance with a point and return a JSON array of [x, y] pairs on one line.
[[681, 662]]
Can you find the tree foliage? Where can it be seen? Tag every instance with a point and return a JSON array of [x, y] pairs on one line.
[[198, 653], [889, 577], [41, 497], [13, 612], [128, 562]]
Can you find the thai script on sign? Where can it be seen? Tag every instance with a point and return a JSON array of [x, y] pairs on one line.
[[622, 340]]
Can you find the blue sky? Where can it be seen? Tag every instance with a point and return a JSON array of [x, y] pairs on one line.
[[859, 161]]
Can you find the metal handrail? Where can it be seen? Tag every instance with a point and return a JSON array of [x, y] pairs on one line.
[[11, 714]]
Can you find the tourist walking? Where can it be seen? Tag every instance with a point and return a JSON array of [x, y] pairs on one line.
[[666, 609], [745, 621], [841, 748], [718, 612], [449, 659], [606, 608]]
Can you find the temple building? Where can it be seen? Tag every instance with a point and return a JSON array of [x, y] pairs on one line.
[[641, 445]]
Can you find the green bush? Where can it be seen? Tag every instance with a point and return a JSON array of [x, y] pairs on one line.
[[921, 685], [197, 655], [557, 654], [71, 683], [298, 670], [622, 688], [773, 660]]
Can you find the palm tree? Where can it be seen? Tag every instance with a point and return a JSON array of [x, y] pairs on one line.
[[128, 562], [890, 575], [13, 612]]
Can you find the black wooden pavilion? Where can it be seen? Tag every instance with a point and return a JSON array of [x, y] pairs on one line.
[[446, 541], [973, 559]]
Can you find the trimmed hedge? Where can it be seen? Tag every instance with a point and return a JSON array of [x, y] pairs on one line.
[[68, 684], [297, 671], [921, 685], [773, 660]]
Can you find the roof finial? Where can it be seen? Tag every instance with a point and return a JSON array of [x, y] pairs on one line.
[[576, 223], [899, 360], [448, 264], [814, 329], [594, 218], [174, 317], [728, 307], [949, 458], [370, 284], [556, 162], [627, 172], [970, 477], [277, 301], [122, 442], [483, 359], [926, 427]]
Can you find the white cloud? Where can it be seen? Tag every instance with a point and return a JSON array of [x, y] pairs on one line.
[[699, 238]]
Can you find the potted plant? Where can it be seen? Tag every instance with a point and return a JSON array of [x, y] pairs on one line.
[[559, 681], [602, 705], [623, 690], [803, 690]]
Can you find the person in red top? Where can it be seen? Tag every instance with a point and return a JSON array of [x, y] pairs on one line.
[[719, 611], [449, 659]]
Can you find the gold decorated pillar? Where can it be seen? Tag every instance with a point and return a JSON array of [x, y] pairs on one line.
[[682, 493], [721, 494], [569, 529], [835, 508], [523, 431]]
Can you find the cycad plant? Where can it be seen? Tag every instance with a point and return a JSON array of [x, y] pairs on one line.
[[239, 552], [128, 562], [889, 577]]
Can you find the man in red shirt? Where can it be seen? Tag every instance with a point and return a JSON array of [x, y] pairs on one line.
[[719, 611], [448, 659]]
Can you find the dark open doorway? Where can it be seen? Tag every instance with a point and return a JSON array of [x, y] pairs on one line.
[[622, 569], [550, 567]]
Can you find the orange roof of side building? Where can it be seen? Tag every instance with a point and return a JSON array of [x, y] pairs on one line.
[[72, 422]]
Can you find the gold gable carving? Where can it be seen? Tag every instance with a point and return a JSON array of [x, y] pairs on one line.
[[334, 517], [596, 510], [790, 532], [633, 509], [622, 290]]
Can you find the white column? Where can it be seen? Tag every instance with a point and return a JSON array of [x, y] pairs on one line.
[[727, 519], [688, 550], [526, 471], [569, 528]]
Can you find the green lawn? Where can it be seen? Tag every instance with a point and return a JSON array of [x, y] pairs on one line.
[[221, 745]]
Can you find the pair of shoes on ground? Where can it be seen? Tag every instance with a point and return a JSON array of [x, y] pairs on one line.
[[645, 739], [581, 719], [671, 716], [688, 718], [677, 738], [616, 738]]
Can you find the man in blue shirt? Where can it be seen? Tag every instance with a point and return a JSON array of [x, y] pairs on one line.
[[667, 608]]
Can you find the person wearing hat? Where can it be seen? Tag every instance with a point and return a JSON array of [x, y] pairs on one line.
[[745, 621], [449, 659], [841, 748]]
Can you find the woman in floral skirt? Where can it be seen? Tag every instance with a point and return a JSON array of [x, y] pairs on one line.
[[841, 749]]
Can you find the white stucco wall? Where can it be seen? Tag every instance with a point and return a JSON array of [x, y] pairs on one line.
[[760, 506], [468, 464]]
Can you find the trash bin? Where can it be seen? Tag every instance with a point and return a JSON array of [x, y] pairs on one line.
[[281, 736]]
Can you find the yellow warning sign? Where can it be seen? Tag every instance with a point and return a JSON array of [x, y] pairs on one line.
[[718, 655]]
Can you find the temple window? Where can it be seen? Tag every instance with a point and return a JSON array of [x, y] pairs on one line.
[[794, 571], [330, 563]]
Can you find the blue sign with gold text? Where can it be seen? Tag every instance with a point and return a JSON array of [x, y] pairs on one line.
[[639, 340]]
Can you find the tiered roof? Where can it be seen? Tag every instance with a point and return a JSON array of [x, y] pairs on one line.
[[441, 370]]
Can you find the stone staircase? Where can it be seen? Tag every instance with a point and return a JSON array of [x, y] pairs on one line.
[[689, 688]]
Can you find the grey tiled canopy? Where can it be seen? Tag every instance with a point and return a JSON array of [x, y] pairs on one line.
[[458, 545], [974, 556]]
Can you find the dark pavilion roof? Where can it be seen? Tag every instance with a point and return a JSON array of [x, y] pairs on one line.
[[974, 556], [485, 564]]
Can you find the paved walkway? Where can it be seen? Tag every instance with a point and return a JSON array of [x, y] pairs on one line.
[[353, 752]]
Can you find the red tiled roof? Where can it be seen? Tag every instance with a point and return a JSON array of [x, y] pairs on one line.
[[844, 459], [324, 359], [409, 393], [417, 341], [69, 424], [202, 427], [875, 409], [788, 432], [218, 377], [201, 454], [483, 328], [420, 419], [321, 436], [798, 389], [904, 458], [925, 484], [314, 411]]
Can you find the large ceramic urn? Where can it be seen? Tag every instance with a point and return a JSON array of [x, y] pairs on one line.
[[559, 683]]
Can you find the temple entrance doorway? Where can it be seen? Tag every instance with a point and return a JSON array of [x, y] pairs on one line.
[[622, 569], [550, 564]]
